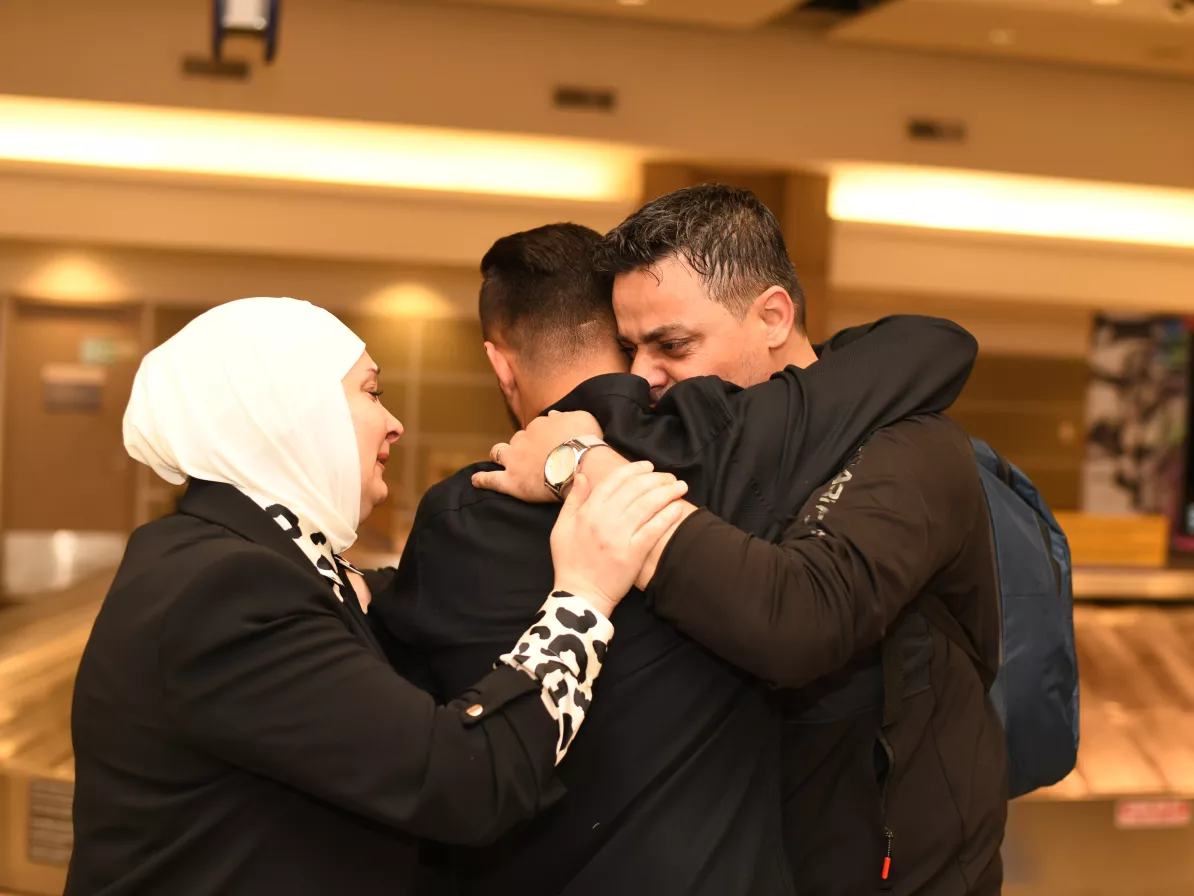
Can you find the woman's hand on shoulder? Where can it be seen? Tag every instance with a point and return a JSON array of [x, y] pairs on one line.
[[604, 534]]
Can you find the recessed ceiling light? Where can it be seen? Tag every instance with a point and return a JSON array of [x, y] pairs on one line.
[[1106, 2], [632, 2], [1001, 37]]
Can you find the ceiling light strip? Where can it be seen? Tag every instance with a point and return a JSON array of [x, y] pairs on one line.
[[1010, 204], [146, 138]]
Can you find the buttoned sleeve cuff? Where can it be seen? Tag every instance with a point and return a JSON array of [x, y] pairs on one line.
[[511, 696], [562, 652]]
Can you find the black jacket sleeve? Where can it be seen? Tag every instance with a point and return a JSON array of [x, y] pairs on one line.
[[861, 548], [753, 455], [258, 669]]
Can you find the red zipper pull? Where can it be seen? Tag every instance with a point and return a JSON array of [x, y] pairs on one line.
[[887, 859]]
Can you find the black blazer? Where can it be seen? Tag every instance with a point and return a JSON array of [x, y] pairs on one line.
[[237, 730]]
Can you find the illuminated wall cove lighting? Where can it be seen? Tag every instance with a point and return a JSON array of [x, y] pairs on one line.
[[300, 149], [995, 203]]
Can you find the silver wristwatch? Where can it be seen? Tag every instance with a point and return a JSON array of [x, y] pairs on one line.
[[564, 461]]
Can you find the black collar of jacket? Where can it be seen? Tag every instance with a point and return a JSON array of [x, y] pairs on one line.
[[227, 506], [603, 388], [634, 388]]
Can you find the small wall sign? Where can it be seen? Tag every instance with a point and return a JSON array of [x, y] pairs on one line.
[[1154, 813], [77, 388]]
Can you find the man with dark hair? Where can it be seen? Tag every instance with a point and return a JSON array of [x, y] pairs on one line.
[[705, 287], [727, 236], [893, 754], [673, 784], [546, 316]]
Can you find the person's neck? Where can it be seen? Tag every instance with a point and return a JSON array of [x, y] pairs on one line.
[[548, 390], [796, 352]]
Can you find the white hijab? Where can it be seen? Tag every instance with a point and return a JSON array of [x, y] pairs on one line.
[[250, 394]]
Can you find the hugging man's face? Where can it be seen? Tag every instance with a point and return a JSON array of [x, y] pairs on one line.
[[673, 330]]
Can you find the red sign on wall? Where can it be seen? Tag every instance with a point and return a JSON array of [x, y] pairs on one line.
[[1158, 813]]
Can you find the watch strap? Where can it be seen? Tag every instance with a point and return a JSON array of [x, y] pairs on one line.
[[580, 445], [588, 441]]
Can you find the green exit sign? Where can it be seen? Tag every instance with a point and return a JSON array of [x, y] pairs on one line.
[[103, 351]]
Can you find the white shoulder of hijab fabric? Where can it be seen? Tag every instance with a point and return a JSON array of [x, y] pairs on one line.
[[250, 394]]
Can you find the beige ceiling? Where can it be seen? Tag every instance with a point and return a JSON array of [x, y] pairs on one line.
[[723, 13], [1141, 35]]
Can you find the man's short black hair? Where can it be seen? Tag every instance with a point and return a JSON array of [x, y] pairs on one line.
[[726, 235], [541, 295]]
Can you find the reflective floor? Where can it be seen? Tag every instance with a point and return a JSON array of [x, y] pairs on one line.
[[41, 640], [1137, 702]]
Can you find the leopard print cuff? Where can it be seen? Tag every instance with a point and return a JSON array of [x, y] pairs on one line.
[[564, 650]]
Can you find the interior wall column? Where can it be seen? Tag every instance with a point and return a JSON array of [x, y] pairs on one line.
[[804, 219]]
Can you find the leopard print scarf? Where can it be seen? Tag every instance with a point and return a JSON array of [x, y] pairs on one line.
[[310, 541]]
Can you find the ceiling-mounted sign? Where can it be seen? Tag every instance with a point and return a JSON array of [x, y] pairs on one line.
[[1154, 813], [256, 18], [77, 388]]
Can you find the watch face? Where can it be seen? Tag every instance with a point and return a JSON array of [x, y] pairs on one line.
[[561, 464]]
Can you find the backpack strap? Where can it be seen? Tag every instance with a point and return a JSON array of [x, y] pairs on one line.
[[892, 654], [940, 616]]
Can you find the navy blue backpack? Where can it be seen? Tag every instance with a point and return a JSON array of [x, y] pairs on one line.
[[1035, 688]]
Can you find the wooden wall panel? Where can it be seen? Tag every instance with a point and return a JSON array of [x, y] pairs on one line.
[[1031, 410]]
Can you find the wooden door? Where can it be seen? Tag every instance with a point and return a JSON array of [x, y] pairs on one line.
[[68, 374]]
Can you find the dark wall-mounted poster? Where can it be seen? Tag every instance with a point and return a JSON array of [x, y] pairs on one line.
[[77, 388], [1136, 416]]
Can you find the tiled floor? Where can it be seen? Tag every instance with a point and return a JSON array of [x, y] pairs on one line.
[[40, 646]]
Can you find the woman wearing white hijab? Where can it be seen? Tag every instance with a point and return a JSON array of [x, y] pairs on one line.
[[237, 729]]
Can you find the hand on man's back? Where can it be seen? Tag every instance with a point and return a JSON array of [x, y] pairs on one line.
[[525, 455]]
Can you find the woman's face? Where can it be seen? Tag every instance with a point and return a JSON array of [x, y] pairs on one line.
[[376, 428]]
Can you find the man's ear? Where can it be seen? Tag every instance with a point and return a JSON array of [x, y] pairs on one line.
[[504, 371], [776, 314]]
